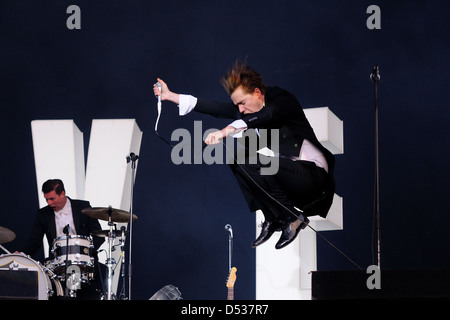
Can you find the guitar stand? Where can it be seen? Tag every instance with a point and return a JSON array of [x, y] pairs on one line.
[[230, 244]]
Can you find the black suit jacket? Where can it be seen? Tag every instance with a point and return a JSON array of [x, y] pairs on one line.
[[44, 224], [281, 111]]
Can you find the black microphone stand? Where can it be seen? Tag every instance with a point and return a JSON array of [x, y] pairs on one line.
[[133, 158], [123, 275], [230, 245], [66, 231], [375, 77]]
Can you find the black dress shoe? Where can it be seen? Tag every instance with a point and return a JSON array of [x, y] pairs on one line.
[[290, 232], [268, 228]]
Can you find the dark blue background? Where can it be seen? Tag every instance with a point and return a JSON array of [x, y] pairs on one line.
[[321, 51]]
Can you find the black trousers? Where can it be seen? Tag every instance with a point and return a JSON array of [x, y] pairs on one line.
[[295, 184]]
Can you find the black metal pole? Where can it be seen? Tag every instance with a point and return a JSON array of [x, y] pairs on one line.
[[133, 158], [375, 76]]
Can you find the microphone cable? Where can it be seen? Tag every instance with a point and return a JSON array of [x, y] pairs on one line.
[[159, 107], [290, 211], [261, 188]]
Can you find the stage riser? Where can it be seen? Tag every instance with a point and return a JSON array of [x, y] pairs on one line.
[[395, 284]]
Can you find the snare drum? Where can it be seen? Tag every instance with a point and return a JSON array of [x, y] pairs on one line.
[[78, 249], [46, 280]]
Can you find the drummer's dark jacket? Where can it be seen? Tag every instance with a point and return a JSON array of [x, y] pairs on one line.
[[44, 224]]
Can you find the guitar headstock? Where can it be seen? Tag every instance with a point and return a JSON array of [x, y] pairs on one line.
[[231, 278]]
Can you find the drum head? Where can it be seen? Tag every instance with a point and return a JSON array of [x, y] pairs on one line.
[[21, 270]]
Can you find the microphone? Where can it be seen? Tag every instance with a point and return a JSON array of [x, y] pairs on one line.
[[375, 75], [132, 157], [229, 229], [158, 85], [66, 230]]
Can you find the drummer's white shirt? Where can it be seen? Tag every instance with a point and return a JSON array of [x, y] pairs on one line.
[[63, 218]]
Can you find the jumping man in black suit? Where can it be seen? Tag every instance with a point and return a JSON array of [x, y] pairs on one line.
[[304, 179]]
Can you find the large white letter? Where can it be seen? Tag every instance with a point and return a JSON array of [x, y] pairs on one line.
[[107, 179], [286, 274]]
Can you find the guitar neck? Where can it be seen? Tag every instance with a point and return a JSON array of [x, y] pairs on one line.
[[230, 295]]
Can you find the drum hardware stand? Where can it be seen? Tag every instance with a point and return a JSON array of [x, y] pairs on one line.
[[111, 215], [110, 262], [122, 247], [67, 292], [59, 290], [133, 158], [4, 249]]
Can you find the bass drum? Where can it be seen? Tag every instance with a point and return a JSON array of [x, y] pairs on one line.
[[46, 279]]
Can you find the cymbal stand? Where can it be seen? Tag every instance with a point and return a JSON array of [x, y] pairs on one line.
[[122, 295], [4, 249], [133, 158], [67, 292], [110, 262]]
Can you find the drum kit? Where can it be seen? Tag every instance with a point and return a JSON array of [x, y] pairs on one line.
[[72, 259], [112, 216]]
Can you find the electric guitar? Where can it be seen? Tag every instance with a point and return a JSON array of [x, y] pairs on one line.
[[230, 283]]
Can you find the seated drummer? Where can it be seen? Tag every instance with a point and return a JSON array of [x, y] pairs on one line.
[[54, 218]]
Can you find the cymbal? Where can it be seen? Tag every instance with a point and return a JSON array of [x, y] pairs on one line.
[[116, 215], [6, 235], [105, 233]]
